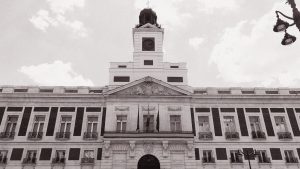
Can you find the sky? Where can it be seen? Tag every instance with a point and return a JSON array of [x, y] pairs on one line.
[[226, 43]]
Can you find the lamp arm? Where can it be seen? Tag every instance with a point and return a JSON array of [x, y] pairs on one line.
[[283, 15]]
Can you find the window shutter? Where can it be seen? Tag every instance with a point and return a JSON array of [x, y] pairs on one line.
[[16, 154], [78, 121], [74, 153], [268, 122], [25, 121], [2, 109], [242, 121], [275, 154], [193, 121], [52, 121], [217, 123], [103, 121], [197, 155], [45, 154], [221, 153], [99, 154], [293, 121]]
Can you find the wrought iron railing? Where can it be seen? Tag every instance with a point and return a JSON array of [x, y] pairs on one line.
[[284, 135], [208, 160], [205, 135], [87, 160], [35, 135], [63, 135], [232, 135], [258, 135], [7, 135], [90, 135]]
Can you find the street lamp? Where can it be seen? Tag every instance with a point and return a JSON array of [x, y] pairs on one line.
[[249, 154], [283, 25]]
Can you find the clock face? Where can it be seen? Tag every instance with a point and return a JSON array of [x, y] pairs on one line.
[[148, 44]]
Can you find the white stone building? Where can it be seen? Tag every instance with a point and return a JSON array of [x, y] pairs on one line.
[[148, 117]]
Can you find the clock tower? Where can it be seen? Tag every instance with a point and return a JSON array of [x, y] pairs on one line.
[[148, 38]]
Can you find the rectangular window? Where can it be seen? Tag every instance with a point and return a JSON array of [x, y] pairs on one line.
[[207, 156], [174, 67], [272, 92], [74, 153], [280, 124], [121, 123], [65, 124], [88, 156], [20, 90], [71, 91], [262, 156], [95, 91], [148, 123], [11, 124], [46, 90], [229, 124], [60, 156], [175, 122], [235, 157], [203, 124], [121, 78], [37, 129], [92, 124], [3, 156], [122, 66], [16, 154], [175, 79], [30, 157], [224, 92], [255, 123], [290, 157], [148, 62], [248, 92]]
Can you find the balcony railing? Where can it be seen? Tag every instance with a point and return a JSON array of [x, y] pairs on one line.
[[291, 160], [236, 160], [258, 135], [144, 134], [205, 135], [58, 160], [90, 135], [87, 160], [63, 135], [29, 161], [232, 135], [35, 135], [3, 160], [284, 135], [208, 160], [7, 135], [264, 159]]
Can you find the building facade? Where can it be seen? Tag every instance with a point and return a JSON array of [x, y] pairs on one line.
[[149, 118]]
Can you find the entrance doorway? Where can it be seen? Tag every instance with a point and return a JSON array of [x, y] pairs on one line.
[[148, 162]]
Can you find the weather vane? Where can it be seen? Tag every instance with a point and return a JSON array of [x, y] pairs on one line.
[[148, 3]]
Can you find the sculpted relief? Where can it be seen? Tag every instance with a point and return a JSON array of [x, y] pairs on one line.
[[148, 88]]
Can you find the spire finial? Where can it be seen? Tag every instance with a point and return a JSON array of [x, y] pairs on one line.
[[148, 3]]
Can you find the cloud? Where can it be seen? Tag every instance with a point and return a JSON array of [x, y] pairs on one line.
[[55, 74], [210, 6], [195, 42], [167, 11], [56, 17], [248, 58]]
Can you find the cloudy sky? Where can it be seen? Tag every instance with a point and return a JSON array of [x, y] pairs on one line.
[[71, 42]]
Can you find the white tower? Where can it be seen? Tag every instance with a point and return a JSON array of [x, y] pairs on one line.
[[148, 56]]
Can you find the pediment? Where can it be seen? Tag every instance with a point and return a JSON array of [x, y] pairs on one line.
[[149, 86], [148, 25]]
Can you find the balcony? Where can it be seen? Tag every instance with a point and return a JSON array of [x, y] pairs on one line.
[[3, 160], [35, 135], [29, 161], [264, 159], [237, 160], [7, 135], [258, 135], [208, 160], [90, 135], [63, 135], [291, 160], [58, 161], [145, 134], [284, 135], [87, 160], [232, 135], [205, 135]]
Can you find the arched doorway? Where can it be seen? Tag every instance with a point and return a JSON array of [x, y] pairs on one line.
[[148, 162]]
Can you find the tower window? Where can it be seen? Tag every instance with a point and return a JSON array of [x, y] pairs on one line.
[[121, 79], [122, 66], [148, 62], [174, 67], [175, 79]]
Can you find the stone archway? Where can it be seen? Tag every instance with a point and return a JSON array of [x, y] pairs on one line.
[[148, 162]]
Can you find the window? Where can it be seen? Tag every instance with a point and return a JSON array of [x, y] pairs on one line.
[[175, 122], [59, 156], [203, 124], [148, 44], [65, 128], [175, 79], [121, 123], [207, 156], [20, 90], [148, 62], [71, 91], [229, 124], [30, 157], [148, 123], [122, 66], [254, 123], [224, 92], [280, 124], [88, 156], [3, 156], [37, 129], [248, 92], [290, 157], [95, 91], [46, 90], [262, 156], [121, 79], [272, 92], [91, 130], [174, 67], [235, 157], [11, 125]]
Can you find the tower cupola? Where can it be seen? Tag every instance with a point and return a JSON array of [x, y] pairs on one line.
[[147, 15]]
